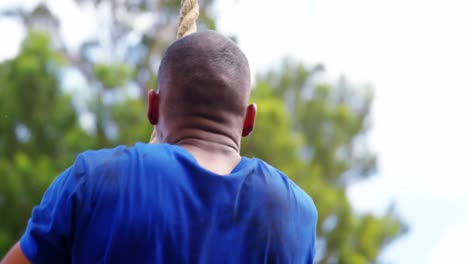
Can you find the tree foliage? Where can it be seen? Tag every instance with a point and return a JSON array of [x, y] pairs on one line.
[[37, 125], [313, 131]]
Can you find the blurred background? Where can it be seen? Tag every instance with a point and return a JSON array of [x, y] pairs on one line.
[[361, 102]]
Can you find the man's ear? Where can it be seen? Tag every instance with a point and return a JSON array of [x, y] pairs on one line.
[[153, 107], [249, 120]]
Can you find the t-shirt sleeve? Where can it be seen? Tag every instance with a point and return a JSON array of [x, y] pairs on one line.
[[309, 228], [47, 238], [311, 250], [313, 238]]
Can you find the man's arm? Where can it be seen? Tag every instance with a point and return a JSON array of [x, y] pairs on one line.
[[15, 256]]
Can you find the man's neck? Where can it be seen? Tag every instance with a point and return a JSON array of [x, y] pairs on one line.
[[212, 155]]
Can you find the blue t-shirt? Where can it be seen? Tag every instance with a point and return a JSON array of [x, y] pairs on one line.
[[155, 204]]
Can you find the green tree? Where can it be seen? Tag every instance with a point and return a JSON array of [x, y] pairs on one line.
[[315, 132], [39, 131]]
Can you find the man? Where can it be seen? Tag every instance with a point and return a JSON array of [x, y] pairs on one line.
[[189, 199]]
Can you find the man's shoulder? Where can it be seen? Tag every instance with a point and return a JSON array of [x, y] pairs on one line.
[[95, 158], [119, 155], [281, 186]]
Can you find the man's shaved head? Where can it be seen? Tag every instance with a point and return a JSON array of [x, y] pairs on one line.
[[204, 76], [204, 70]]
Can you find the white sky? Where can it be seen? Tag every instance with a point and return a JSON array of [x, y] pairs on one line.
[[415, 53]]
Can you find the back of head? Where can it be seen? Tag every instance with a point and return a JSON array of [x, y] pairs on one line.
[[204, 76]]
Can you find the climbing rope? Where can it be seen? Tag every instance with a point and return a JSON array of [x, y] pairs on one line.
[[189, 12], [188, 15]]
